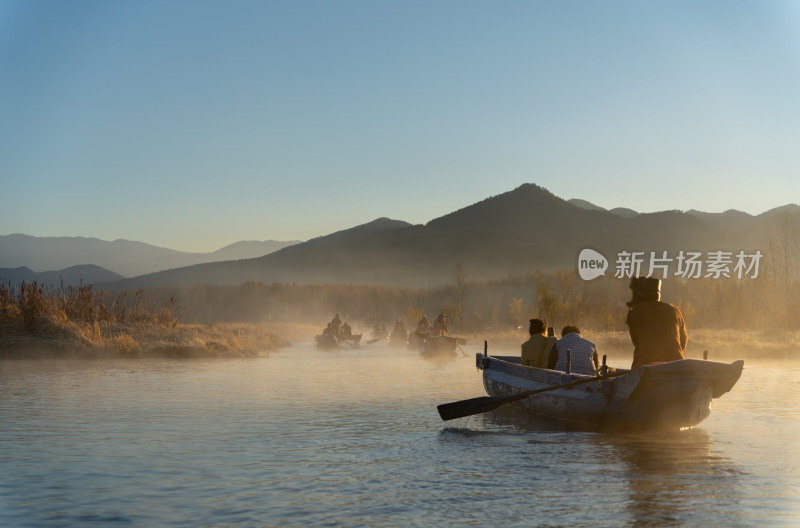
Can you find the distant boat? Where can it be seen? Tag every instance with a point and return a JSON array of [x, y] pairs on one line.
[[331, 341], [670, 396], [440, 346]]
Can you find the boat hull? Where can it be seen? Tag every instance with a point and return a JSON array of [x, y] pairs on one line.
[[327, 341], [439, 346], [668, 396]]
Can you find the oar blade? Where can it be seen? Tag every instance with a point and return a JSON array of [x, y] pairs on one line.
[[481, 404]]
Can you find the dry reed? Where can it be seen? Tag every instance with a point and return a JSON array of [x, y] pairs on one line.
[[36, 321]]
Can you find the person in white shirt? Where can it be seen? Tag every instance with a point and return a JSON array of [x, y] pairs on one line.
[[583, 353]]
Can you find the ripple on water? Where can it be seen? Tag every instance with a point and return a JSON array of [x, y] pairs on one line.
[[306, 439]]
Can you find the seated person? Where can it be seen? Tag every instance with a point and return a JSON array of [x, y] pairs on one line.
[[657, 328], [583, 353], [539, 351], [439, 326], [423, 328], [346, 331]]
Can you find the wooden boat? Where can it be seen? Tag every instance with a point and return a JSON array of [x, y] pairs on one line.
[[439, 346], [331, 341], [671, 395]]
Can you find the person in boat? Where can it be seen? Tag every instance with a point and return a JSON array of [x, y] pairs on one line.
[[328, 330], [539, 351], [423, 327], [439, 326], [346, 331], [399, 332], [657, 329], [582, 352], [336, 323]]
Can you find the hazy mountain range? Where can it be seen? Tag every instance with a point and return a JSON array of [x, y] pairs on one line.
[[72, 276], [517, 232], [520, 231], [24, 257]]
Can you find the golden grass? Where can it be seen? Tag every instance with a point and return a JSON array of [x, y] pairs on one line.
[[67, 339], [84, 323]]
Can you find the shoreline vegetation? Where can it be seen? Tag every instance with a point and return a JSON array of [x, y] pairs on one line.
[[84, 323]]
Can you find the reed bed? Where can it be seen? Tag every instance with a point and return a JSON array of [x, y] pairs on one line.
[[82, 322]]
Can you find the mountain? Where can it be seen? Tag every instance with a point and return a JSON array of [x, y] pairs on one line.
[[516, 232], [323, 259], [128, 258], [731, 218], [624, 212], [73, 276], [619, 211], [583, 204]]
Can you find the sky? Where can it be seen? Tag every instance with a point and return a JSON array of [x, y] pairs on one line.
[[195, 124]]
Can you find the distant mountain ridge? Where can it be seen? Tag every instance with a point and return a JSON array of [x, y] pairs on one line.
[[125, 257], [516, 232], [84, 275], [728, 219]]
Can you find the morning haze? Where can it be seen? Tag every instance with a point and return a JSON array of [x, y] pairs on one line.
[[412, 186]]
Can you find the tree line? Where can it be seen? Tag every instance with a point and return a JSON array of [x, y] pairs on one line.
[[767, 302]]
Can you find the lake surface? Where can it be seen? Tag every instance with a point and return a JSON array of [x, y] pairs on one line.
[[352, 438]]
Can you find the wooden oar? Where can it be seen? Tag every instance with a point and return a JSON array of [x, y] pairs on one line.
[[459, 341], [482, 404], [369, 342]]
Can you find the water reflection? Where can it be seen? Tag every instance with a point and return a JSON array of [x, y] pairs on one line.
[[670, 473], [655, 479]]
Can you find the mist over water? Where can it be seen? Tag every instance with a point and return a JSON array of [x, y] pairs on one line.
[[352, 438]]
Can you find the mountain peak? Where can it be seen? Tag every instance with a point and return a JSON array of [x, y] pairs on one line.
[[584, 204], [375, 226]]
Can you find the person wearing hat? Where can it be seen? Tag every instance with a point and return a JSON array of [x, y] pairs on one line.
[[657, 329], [539, 351]]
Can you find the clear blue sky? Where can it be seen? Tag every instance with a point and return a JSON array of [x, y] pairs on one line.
[[195, 124]]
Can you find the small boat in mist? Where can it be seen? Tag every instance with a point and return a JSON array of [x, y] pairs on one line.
[[663, 396], [331, 341], [439, 346]]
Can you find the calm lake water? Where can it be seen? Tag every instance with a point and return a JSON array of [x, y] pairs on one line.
[[352, 438]]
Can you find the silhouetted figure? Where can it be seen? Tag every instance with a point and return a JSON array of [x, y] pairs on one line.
[[399, 332], [539, 351], [347, 332], [336, 323], [439, 326], [657, 329], [423, 327]]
